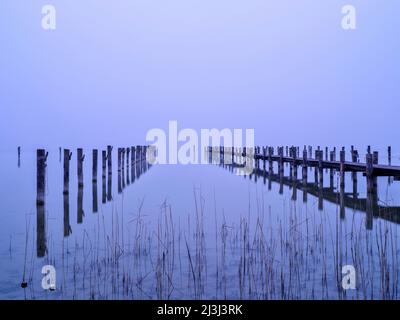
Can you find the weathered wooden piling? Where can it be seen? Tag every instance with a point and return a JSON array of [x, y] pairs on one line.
[[80, 159], [41, 158], [369, 172], [103, 176], [109, 159], [320, 169], [123, 167], [128, 150], [119, 157], [19, 157], [119, 154], [389, 155], [103, 190], [133, 160], [342, 167], [304, 169], [94, 164], [109, 186], [354, 158], [103, 163], [295, 165], [67, 159], [375, 160]]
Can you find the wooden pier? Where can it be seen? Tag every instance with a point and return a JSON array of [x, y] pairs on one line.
[[247, 161]]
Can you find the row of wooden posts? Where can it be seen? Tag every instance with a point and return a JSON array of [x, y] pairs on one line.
[[138, 163]]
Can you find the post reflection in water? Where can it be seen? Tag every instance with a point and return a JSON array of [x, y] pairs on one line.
[[94, 194], [80, 212], [41, 228], [67, 226]]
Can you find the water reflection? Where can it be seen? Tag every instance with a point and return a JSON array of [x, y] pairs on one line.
[[369, 205]]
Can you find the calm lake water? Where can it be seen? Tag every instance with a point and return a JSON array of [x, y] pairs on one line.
[[194, 232]]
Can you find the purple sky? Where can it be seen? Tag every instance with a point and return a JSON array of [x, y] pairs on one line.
[[112, 70]]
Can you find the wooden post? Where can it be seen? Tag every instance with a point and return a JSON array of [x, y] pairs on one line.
[[19, 157], [133, 154], [369, 149], [119, 154], [127, 165], [281, 169], [320, 169], [316, 154], [375, 158], [103, 163], [295, 165], [304, 168], [389, 155], [103, 189], [80, 158], [41, 158], [109, 159], [326, 153], [123, 167], [354, 158], [369, 172], [291, 163], [94, 165], [119, 157], [67, 159], [342, 167], [103, 176]]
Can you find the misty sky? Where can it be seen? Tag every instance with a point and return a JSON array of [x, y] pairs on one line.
[[114, 69]]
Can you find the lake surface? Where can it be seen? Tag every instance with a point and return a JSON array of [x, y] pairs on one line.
[[194, 232]]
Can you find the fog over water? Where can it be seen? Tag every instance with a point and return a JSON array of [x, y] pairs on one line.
[[113, 70]]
